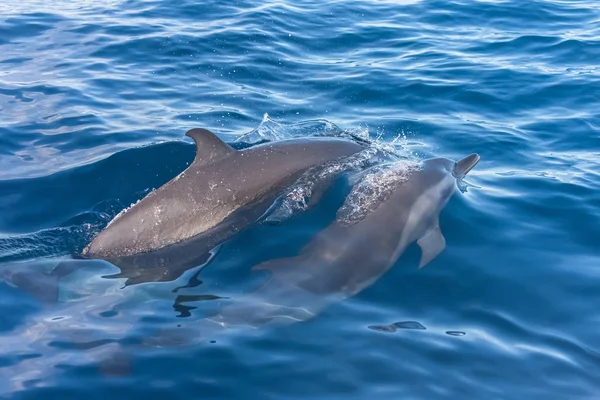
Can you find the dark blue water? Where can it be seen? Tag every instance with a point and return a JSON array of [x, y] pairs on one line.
[[95, 98]]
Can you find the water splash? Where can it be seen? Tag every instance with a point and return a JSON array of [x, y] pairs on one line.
[[374, 187], [306, 190], [270, 130]]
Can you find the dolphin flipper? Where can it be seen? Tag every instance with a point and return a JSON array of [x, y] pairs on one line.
[[281, 211], [275, 214], [432, 244]]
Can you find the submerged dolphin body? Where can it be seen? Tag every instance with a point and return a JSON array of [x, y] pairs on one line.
[[222, 192], [390, 208], [35, 345]]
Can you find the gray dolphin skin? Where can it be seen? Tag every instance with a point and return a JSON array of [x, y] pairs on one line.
[[223, 191], [356, 249]]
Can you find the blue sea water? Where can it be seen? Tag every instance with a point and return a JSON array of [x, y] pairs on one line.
[[95, 98]]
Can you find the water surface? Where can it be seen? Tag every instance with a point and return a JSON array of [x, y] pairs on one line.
[[95, 98]]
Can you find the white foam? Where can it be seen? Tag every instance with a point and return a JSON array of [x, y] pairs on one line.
[[374, 186]]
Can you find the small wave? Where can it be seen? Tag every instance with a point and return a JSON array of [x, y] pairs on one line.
[[53, 242], [48, 242], [52, 11], [270, 130]]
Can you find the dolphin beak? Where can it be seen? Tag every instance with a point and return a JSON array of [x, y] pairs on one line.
[[462, 167]]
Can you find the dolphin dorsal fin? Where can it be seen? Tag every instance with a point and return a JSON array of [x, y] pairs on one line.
[[209, 148]]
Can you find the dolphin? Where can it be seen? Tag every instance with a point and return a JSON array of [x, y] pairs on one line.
[[391, 206], [221, 193]]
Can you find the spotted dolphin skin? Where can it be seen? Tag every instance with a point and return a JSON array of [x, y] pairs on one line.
[[360, 245], [223, 188]]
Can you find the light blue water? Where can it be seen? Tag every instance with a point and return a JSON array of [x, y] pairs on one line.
[[95, 98]]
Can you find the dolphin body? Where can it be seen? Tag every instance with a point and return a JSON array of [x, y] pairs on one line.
[[343, 259], [221, 193], [358, 247]]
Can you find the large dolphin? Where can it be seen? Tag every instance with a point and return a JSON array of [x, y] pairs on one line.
[[222, 192], [392, 206]]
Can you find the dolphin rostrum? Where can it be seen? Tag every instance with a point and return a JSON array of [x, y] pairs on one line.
[[391, 206], [222, 188]]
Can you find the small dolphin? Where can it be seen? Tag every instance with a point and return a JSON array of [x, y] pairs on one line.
[[388, 209], [222, 192]]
